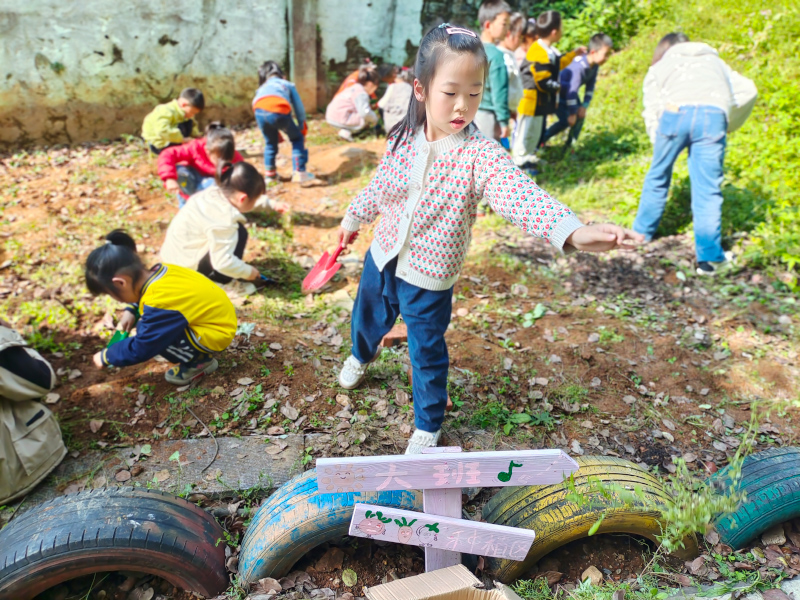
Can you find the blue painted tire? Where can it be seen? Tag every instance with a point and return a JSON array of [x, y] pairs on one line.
[[296, 519]]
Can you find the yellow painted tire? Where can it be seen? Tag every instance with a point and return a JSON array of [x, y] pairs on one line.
[[558, 521]]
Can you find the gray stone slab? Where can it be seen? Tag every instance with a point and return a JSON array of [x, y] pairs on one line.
[[242, 463]]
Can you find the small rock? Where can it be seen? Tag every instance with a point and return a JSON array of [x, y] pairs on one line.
[[462, 312], [555, 358], [668, 436], [594, 338], [268, 585], [74, 374], [276, 346], [576, 448], [330, 561], [95, 425], [785, 320], [593, 575], [290, 412], [629, 399], [704, 392], [52, 398], [689, 457], [587, 424], [774, 535], [122, 476], [245, 381], [595, 382]]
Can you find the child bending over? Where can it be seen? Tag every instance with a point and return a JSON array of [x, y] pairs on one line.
[[394, 102], [436, 169], [188, 168], [171, 123], [350, 109], [581, 72], [540, 83], [178, 313], [273, 104], [209, 235]]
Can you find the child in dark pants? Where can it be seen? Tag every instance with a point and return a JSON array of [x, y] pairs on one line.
[[273, 104], [581, 72], [208, 235], [189, 168], [178, 313], [426, 190]]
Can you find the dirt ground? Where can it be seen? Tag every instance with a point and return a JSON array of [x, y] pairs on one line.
[[627, 354]]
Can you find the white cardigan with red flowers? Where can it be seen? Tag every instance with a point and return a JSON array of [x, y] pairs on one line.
[[428, 194]]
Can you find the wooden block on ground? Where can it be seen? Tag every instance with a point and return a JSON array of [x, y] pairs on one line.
[[396, 336]]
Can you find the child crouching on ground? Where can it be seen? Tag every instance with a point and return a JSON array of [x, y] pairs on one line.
[[190, 168], [349, 110], [436, 169], [171, 123], [178, 313], [209, 235], [273, 104]]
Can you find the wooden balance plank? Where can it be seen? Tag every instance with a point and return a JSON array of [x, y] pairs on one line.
[[452, 470], [445, 533]]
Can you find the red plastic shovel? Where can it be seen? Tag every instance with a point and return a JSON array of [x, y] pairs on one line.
[[323, 271]]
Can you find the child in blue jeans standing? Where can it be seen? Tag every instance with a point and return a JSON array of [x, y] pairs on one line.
[[436, 170], [274, 102], [687, 100]]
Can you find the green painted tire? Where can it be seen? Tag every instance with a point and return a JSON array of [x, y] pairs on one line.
[[771, 480]]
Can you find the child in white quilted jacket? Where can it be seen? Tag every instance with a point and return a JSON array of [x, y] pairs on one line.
[[436, 169]]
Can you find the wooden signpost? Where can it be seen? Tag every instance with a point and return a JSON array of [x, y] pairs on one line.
[[441, 473]]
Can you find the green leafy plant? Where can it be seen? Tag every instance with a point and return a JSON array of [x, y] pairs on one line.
[[529, 318]]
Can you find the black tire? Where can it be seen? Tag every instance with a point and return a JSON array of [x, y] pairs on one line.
[[297, 518], [111, 529], [771, 480]]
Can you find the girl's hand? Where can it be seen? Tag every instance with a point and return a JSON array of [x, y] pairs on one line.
[[172, 186], [98, 360], [346, 236], [581, 50], [126, 321], [603, 237], [254, 274]]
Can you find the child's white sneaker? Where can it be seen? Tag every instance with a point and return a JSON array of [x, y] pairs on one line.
[[346, 134], [302, 177], [352, 373], [420, 440], [714, 268]]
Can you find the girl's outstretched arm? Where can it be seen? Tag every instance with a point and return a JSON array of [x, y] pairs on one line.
[[518, 199]]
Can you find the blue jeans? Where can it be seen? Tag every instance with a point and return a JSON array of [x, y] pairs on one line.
[[562, 124], [270, 124], [703, 130], [381, 298], [190, 181]]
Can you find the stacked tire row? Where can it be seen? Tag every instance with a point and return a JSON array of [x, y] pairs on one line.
[[153, 532]]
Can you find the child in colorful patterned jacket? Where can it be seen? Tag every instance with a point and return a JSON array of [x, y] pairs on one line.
[[436, 169]]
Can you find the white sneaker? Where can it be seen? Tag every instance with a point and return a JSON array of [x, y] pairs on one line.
[[714, 268], [422, 439], [352, 373], [302, 177], [271, 177], [346, 134], [239, 289]]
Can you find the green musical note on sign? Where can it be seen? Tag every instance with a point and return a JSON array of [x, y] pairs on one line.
[[506, 477]]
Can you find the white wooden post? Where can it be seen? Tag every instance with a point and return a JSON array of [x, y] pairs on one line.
[[445, 503]]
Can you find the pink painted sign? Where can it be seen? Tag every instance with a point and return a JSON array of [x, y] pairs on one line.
[[443, 470], [444, 533]]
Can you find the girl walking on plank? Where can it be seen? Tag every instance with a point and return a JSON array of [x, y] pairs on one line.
[[436, 169]]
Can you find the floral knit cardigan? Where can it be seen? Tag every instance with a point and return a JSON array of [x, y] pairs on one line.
[[443, 219]]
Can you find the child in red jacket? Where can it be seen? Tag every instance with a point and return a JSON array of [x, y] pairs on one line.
[[189, 168]]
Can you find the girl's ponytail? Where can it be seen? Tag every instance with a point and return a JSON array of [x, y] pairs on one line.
[[117, 256], [433, 49], [240, 177]]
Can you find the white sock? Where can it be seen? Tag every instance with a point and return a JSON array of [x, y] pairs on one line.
[[422, 439]]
